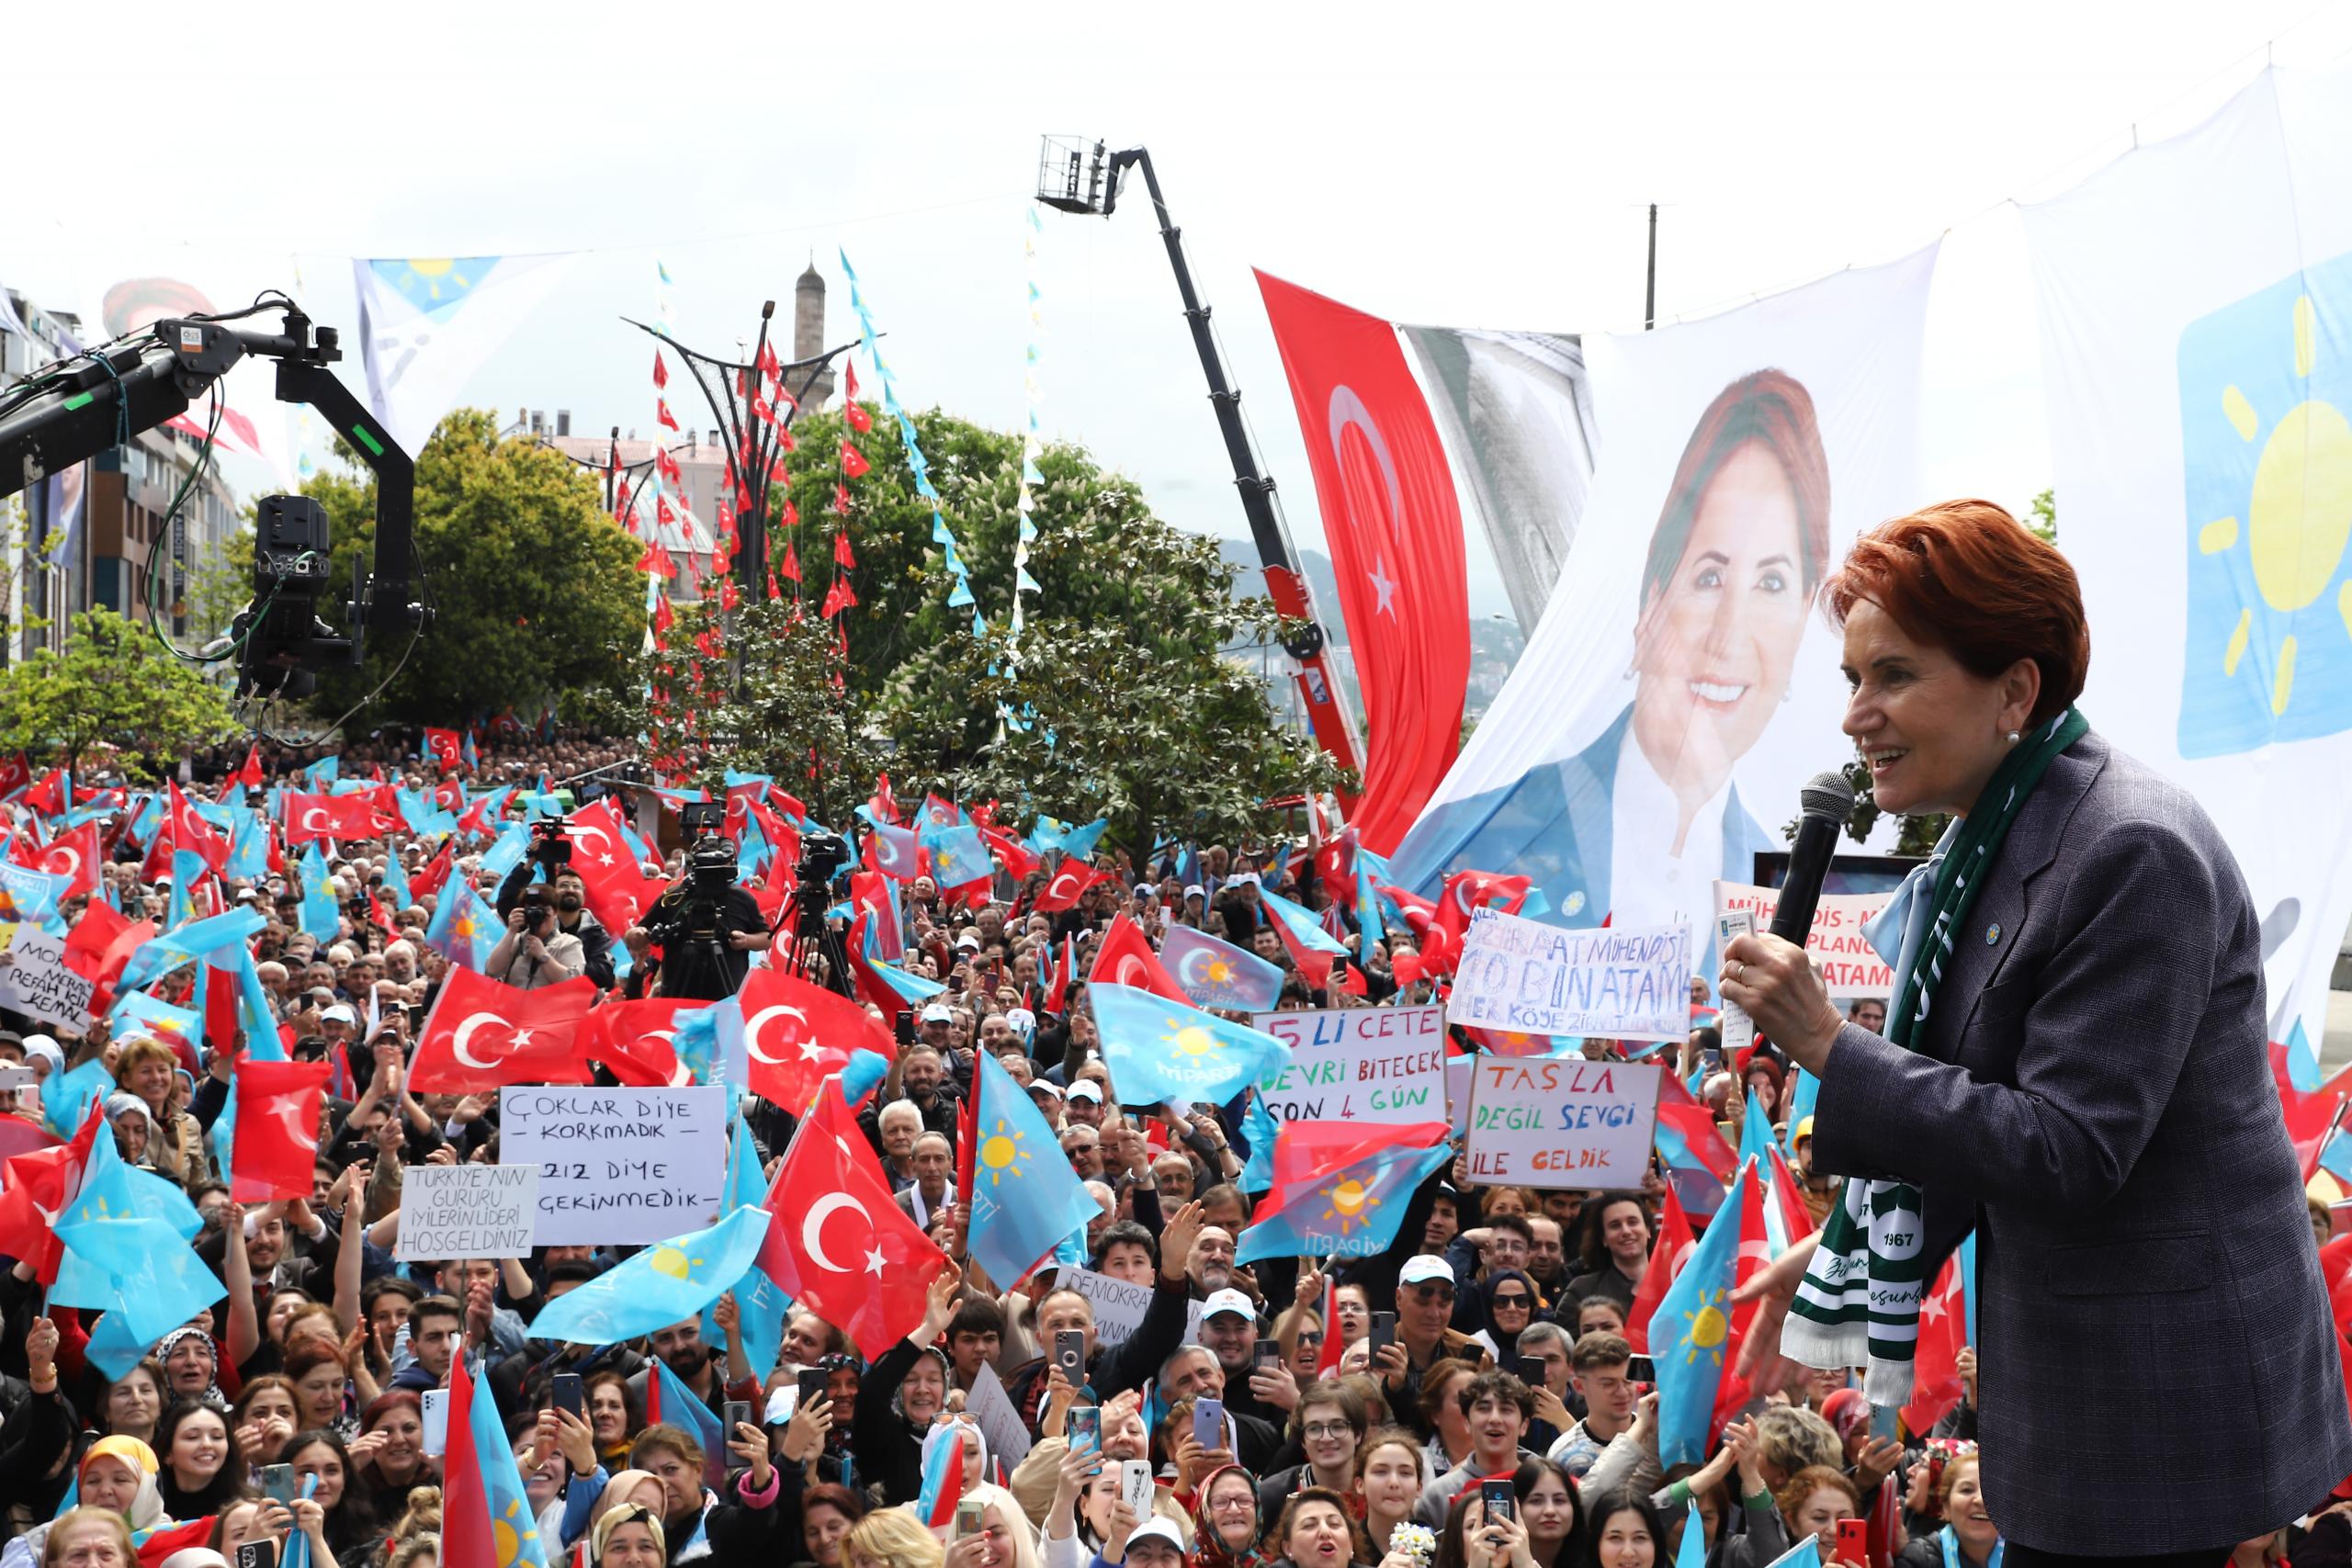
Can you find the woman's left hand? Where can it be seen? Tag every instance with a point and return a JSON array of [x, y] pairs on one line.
[[1773, 982]]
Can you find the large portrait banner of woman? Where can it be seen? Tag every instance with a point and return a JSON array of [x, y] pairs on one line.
[[1681, 685]]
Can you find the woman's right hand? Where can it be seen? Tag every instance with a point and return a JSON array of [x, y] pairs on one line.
[[1122, 1525], [1079, 1467], [804, 1435], [577, 1442]]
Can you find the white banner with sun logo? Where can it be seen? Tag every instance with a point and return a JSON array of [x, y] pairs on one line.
[[2196, 300], [1681, 685], [427, 324]]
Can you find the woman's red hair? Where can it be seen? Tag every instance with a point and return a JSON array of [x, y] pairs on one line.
[[1966, 576]]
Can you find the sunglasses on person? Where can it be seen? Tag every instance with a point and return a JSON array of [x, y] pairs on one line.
[[1513, 1300], [1427, 1293]]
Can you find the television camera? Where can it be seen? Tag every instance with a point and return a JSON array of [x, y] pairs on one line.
[[101, 398]]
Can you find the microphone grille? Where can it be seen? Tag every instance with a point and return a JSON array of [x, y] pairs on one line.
[[1827, 794]]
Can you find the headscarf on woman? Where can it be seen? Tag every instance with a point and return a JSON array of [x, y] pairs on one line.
[[145, 1513], [1208, 1545], [632, 1513], [1506, 1341], [161, 1354]]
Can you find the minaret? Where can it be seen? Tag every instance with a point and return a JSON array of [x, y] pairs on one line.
[[808, 335]]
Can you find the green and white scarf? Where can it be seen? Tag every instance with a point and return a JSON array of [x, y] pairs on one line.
[[1859, 1303]]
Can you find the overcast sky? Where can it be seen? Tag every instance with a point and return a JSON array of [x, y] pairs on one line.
[[1479, 165]]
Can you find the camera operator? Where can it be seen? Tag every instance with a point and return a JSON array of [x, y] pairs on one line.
[[534, 951], [705, 925], [572, 916]]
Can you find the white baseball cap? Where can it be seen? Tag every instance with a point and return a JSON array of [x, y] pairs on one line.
[[1424, 1266], [938, 1013], [1228, 1301], [1085, 1088], [1157, 1529]]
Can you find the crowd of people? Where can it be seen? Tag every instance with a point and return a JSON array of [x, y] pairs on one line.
[[1470, 1397]]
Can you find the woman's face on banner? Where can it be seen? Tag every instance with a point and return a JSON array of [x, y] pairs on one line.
[[1714, 644]]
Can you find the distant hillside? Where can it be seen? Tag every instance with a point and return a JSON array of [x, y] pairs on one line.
[[1495, 641]]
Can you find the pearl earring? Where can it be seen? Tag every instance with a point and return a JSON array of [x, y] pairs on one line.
[[2013, 737]]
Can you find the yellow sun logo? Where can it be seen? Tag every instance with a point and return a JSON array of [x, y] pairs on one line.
[[2268, 654], [1192, 1039], [1348, 1203], [1704, 1331], [1002, 1152], [508, 1534], [674, 1262], [1221, 970]]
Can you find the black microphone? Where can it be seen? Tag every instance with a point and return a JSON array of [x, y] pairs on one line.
[[1827, 801]]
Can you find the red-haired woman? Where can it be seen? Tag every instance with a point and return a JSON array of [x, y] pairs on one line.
[[2074, 1065]]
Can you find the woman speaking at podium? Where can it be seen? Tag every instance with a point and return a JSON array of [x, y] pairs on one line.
[[2075, 1067]]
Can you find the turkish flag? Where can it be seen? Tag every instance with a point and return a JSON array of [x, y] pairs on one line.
[[617, 890], [482, 1034], [1335, 862], [1395, 538], [1467, 891], [796, 1035], [248, 776], [14, 773], [839, 1245], [445, 748], [309, 817], [1067, 886], [436, 873], [634, 1040], [1667, 1254], [870, 893], [39, 1186], [1936, 1383], [1126, 959], [48, 796], [77, 854], [277, 1142]]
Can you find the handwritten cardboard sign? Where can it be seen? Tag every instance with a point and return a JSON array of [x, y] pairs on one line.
[[465, 1211], [618, 1167], [38, 983], [1383, 1065], [1000, 1422], [1119, 1306], [1630, 983], [1562, 1122], [1841, 955]]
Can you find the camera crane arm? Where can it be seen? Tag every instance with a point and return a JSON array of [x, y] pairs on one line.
[[126, 387]]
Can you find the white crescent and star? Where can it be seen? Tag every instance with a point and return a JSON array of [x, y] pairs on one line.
[[1055, 890], [73, 859], [464, 1034], [311, 818], [811, 1227], [752, 1031]]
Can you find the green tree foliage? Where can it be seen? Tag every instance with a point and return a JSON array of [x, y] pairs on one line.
[[1120, 663], [113, 690], [776, 713], [531, 584]]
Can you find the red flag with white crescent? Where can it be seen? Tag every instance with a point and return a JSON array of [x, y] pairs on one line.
[[482, 1035]]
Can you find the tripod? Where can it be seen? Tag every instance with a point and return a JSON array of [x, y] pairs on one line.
[[816, 952]]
